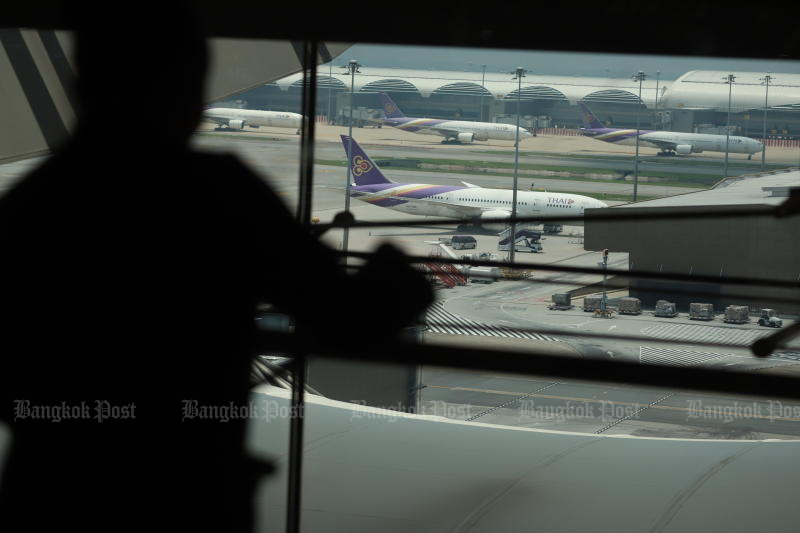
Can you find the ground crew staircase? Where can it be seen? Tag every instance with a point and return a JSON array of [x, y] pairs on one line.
[[448, 274]]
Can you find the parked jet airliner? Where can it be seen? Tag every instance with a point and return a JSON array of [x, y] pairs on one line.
[[670, 142], [468, 202], [453, 131], [237, 119]]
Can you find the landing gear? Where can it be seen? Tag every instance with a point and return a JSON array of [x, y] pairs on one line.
[[451, 141], [749, 157], [666, 153]]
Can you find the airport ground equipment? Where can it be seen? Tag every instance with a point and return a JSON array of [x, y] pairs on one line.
[[448, 274], [630, 306], [483, 274], [592, 302], [482, 256], [553, 228], [769, 318], [463, 242], [526, 240], [737, 314], [562, 301], [701, 311], [603, 313], [666, 309]]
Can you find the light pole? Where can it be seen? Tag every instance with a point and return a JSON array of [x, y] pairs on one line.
[[352, 69], [729, 79], [765, 81], [330, 89], [658, 78], [483, 87], [519, 73], [640, 77]]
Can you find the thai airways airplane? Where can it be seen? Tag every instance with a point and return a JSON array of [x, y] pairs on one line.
[[468, 202], [670, 142], [453, 131], [237, 119]]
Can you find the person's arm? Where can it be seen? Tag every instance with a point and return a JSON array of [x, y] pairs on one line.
[[305, 278]]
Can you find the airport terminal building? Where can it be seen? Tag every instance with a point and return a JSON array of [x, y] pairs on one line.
[[695, 102], [702, 250]]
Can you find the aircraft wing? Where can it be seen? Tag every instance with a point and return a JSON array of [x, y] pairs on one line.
[[447, 209], [216, 119], [663, 144], [444, 132], [460, 211]]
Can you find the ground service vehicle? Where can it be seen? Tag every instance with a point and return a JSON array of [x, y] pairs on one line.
[[484, 274], [463, 242], [526, 240], [769, 318]]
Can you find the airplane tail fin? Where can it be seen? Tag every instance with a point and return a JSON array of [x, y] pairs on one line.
[[589, 119], [390, 108], [364, 169]]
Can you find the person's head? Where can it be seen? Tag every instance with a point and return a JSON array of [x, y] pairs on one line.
[[141, 70]]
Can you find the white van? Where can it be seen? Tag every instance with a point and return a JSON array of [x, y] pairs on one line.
[[463, 242]]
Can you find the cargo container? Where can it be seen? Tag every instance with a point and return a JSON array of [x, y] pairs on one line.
[[592, 302], [630, 306], [737, 314], [561, 301], [666, 309], [701, 311]]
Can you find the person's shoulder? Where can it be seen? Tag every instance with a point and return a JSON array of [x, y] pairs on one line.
[[229, 176], [222, 165]]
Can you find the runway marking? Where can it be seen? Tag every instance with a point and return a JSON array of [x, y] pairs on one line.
[[439, 320], [676, 356], [792, 356], [697, 333], [595, 400]]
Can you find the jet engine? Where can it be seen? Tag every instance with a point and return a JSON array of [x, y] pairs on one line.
[[496, 214], [466, 137], [236, 124], [683, 149]]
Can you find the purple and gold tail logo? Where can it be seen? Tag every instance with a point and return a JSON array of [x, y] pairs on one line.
[[389, 108], [361, 166]]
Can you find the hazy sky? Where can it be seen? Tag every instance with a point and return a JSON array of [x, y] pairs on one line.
[[556, 63]]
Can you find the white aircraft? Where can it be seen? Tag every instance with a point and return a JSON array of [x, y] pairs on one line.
[[453, 131], [468, 202], [670, 142], [237, 119]]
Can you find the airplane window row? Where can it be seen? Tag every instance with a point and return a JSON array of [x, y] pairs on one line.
[[492, 201]]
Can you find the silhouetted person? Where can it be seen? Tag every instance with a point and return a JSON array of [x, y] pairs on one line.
[[130, 268]]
